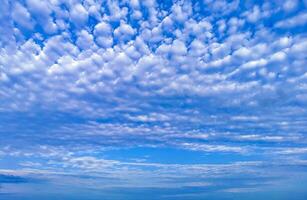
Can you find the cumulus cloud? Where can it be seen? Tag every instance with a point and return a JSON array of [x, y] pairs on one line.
[[295, 21], [124, 32], [22, 17], [78, 14]]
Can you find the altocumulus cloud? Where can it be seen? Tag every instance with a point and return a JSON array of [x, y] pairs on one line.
[[203, 98]]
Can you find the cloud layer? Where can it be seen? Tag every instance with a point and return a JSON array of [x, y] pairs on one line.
[[223, 79]]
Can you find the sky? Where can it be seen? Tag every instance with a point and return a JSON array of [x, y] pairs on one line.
[[153, 100]]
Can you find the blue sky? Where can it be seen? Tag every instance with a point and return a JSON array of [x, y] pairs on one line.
[[153, 99]]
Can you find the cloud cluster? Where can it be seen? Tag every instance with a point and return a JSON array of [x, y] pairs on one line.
[[224, 77], [74, 50]]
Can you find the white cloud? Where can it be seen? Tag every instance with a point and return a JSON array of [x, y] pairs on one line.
[[22, 17], [178, 48], [296, 21], [102, 29], [41, 11], [290, 5], [254, 15], [78, 14], [124, 32], [85, 40]]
